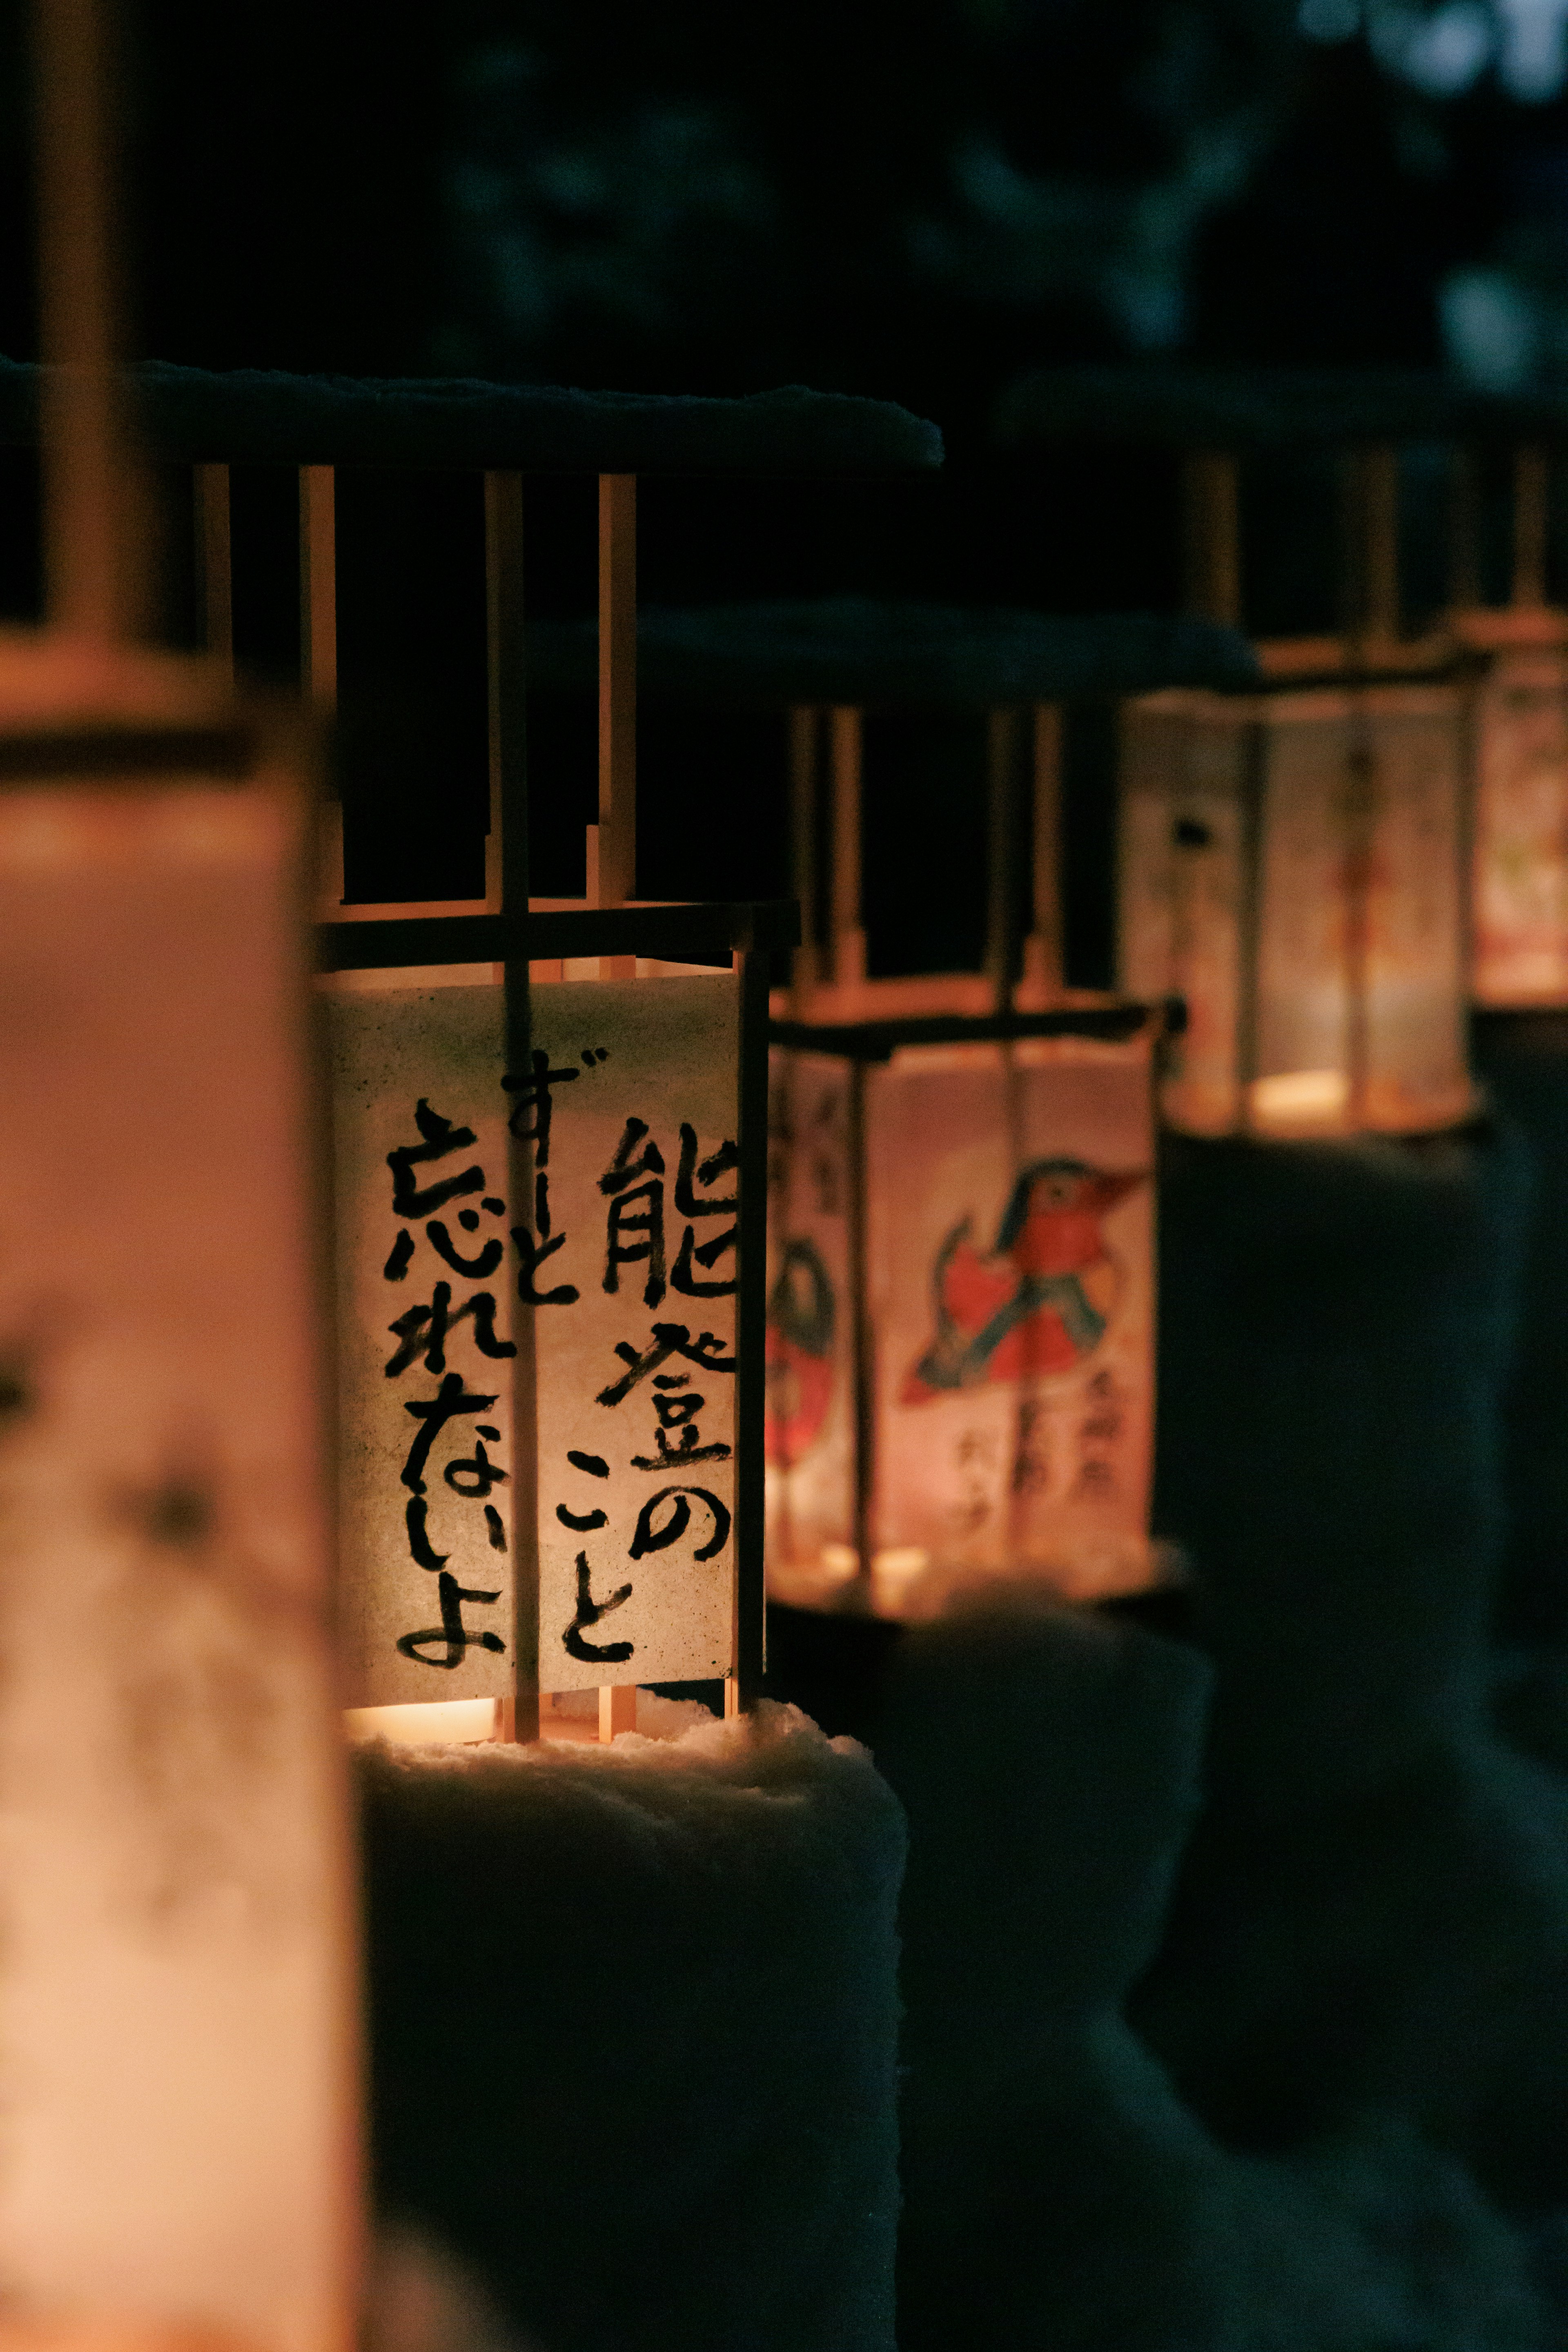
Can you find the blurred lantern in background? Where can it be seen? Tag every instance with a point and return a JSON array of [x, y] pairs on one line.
[[1294, 860], [961, 1163], [1520, 875]]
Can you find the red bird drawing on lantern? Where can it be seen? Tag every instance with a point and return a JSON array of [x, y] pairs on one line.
[[799, 1354], [1041, 1300]]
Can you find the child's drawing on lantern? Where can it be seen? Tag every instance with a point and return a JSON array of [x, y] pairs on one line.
[[801, 1320], [1008, 1317], [1040, 1301]]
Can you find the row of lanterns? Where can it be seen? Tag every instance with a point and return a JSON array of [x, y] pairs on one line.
[[1321, 868]]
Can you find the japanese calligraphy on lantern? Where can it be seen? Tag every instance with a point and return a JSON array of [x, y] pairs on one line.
[[617, 1270], [1009, 1289]]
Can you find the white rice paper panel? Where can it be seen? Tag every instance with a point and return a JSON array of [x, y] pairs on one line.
[[626, 1254]]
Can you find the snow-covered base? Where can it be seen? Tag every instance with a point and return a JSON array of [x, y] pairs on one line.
[[634, 2032], [1059, 2198]]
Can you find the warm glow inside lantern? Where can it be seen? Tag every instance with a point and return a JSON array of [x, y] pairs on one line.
[[1294, 861], [961, 1305], [177, 1991], [961, 1232], [548, 1388], [549, 1121], [1521, 852], [177, 1959], [1293, 866]]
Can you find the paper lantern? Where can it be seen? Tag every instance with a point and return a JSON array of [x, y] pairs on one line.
[[180, 2060], [1521, 852], [1293, 866], [178, 1999], [550, 1389], [549, 1128], [961, 1282], [961, 1304]]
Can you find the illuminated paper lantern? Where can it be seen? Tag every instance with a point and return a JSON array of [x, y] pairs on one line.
[[1293, 866], [1520, 910], [549, 1120], [961, 1305], [180, 2060], [1520, 853], [630, 1237], [177, 1989]]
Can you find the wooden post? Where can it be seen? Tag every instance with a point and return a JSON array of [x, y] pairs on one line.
[[863, 1361], [91, 540], [506, 872], [618, 688], [1370, 524], [617, 1709], [1002, 733], [215, 563], [1532, 484], [1044, 947], [804, 739], [319, 646], [743, 1684], [1211, 516], [504, 672], [612, 848], [845, 739], [318, 587], [1464, 530]]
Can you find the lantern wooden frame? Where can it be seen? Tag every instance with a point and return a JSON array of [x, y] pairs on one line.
[[607, 934], [994, 1031], [1347, 1015]]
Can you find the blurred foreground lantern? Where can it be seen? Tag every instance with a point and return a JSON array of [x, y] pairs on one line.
[[1294, 861], [961, 1271], [177, 1996], [177, 1966], [548, 1122]]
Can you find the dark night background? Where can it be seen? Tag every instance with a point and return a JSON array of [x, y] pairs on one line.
[[914, 202]]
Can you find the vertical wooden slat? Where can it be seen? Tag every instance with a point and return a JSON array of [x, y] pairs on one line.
[[1211, 517], [1532, 481], [804, 738], [319, 648], [318, 587], [845, 752], [1370, 593], [1254, 809], [215, 563], [506, 875], [91, 573], [505, 679], [617, 1709], [863, 1354], [743, 1685], [1042, 955], [617, 687], [1001, 736], [1464, 530]]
